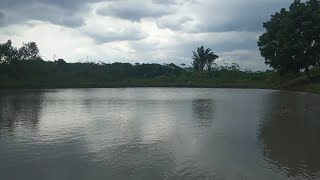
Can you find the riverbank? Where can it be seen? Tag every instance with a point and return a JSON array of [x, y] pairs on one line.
[[140, 83], [311, 88], [299, 84], [304, 84]]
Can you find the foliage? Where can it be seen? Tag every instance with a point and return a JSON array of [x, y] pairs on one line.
[[203, 59], [313, 88], [7, 52], [32, 72], [29, 51], [25, 73], [292, 39]]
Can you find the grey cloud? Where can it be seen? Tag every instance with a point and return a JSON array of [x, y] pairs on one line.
[[70, 4], [2, 18], [130, 13], [173, 23], [221, 16], [134, 11], [61, 12], [220, 42], [175, 2], [246, 17], [132, 35], [165, 1]]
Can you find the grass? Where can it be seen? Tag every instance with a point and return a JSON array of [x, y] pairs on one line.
[[295, 84], [312, 88], [305, 85], [132, 82]]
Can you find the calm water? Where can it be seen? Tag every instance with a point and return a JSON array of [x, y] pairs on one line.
[[159, 133]]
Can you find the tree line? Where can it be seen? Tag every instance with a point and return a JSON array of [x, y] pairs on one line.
[[24, 67], [28, 51]]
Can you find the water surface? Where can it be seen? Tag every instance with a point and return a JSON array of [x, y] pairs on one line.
[[159, 133]]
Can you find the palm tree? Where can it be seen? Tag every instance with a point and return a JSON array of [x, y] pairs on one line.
[[210, 61], [203, 58]]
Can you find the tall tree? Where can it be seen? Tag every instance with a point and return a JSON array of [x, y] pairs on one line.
[[292, 38], [29, 51], [203, 58], [7, 52]]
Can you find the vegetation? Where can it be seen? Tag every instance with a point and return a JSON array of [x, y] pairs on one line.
[[23, 67], [311, 87], [203, 59], [28, 51], [292, 39]]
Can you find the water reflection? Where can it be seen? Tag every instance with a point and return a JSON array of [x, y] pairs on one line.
[[290, 135], [159, 133], [21, 109], [203, 111]]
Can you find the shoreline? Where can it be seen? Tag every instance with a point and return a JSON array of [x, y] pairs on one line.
[[97, 86], [226, 86]]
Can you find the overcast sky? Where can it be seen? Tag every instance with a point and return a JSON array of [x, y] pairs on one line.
[[154, 31]]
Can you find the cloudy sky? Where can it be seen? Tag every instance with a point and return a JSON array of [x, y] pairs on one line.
[[153, 31]]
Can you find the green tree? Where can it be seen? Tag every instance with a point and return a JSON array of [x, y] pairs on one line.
[[203, 58], [60, 62], [292, 38], [7, 52], [29, 51]]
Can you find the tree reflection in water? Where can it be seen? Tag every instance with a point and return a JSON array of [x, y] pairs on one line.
[[203, 111], [290, 133], [20, 109]]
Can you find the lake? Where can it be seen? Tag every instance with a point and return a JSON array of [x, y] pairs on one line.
[[159, 133]]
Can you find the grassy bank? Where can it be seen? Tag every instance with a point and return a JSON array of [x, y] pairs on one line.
[[304, 84], [46, 74], [14, 84], [313, 87]]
